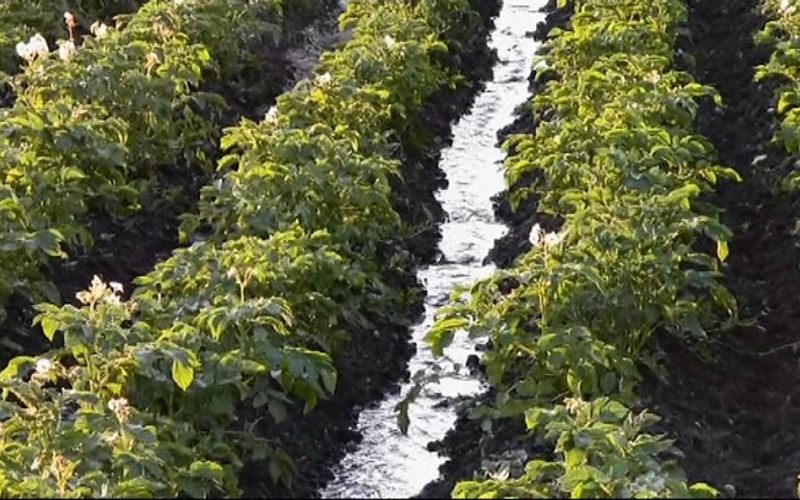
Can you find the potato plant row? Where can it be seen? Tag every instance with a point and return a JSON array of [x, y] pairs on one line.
[[570, 322], [159, 395], [90, 128]]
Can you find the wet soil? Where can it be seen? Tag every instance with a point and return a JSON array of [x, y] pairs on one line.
[[735, 412]]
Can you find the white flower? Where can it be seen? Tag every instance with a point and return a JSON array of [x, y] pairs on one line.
[[98, 29], [389, 41], [35, 47], [324, 79], [272, 115], [120, 408], [100, 292], [43, 366], [537, 235], [118, 404], [113, 299], [787, 8], [653, 77], [66, 50], [24, 51], [539, 238], [69, 19], [553, 239], [39, 45], [83, 297]]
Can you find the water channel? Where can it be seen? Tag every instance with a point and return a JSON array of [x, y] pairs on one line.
[[388, 464]]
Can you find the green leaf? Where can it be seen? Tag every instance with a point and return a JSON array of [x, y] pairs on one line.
[[722, 250], [16, 366], [328, 380], [574, 457], [442, 333], [47, 241], [207, 470], [702, 490], [182, 374], [277, 409], [49, 327], [141, 433], [192, 487], [72, 173]]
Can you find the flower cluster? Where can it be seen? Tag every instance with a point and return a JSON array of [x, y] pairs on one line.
[[66, 50], [98, 29], [100, 292], [44, 366], [35, 47], [272, 115], [120, 408], [324, 79], [653, 77], [540, 238], [787, 8]]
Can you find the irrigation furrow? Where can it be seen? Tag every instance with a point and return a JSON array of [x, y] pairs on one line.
[[387, 463]]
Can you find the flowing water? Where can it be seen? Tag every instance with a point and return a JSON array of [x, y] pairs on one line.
[[387, 463]]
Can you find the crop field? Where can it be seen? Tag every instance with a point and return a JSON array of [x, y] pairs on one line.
[[209, 261]]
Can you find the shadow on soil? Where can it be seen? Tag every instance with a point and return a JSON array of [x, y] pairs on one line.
[[736, 414]]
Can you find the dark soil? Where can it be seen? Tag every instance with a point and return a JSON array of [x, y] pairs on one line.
[[130, 246], [736, 415]]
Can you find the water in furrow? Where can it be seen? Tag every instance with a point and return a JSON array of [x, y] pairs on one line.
[[387, 463]]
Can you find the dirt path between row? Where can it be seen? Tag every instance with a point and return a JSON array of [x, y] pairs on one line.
[[736, 415]]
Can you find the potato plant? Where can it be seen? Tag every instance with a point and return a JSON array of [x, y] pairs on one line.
[[603, 448], [168, 386], [572, 319], [91, 127]]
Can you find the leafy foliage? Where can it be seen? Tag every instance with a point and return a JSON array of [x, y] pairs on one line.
[[20, 19], [91, 129]]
